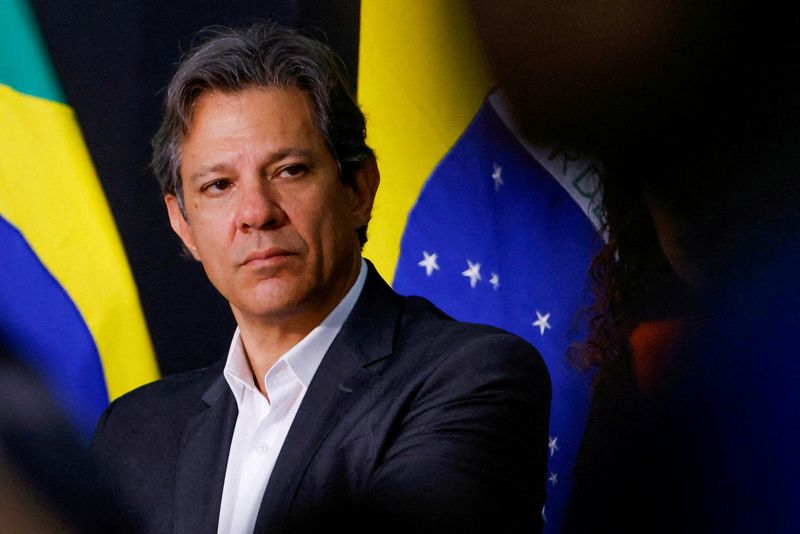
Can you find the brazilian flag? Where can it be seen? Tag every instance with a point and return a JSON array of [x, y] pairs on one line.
[[68, 303], [489, 227]]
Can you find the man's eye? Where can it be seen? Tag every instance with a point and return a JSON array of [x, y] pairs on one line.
[[292, 171], [217, 185]]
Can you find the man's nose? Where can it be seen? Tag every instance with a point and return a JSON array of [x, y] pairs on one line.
[[259, 207]]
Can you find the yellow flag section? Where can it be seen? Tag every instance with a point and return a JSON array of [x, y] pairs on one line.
[[421, 79], [51, 194]]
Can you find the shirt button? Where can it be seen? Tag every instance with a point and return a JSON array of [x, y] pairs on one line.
[[263, 449]]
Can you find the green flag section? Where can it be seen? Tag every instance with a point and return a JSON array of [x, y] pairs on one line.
[[24, 63], [55, 221]]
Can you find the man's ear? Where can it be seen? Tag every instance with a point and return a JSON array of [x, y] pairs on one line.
[[179, 224], [364, 186]]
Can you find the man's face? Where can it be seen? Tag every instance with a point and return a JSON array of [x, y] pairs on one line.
[[267, 214]]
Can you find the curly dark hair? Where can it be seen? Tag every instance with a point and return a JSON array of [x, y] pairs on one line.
[[630, 279], [714, 140]]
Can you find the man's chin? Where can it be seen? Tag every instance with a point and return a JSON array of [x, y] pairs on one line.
[[275, 297]]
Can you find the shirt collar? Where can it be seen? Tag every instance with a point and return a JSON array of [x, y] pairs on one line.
[[304, 358]]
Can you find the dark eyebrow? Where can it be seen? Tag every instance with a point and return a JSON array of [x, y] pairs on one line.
[[290, 152], [208, 170], [275, 156]]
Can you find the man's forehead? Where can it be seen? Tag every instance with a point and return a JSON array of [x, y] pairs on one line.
[[241, 100], [277, 120]]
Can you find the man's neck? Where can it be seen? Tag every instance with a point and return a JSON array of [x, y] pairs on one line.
[[266, 339], [264, 346]]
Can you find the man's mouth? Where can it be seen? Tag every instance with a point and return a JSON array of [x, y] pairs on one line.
[[268, 256]]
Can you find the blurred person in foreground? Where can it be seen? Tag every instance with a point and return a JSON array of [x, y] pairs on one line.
[[693, 111], [47, 482], [340, 405]]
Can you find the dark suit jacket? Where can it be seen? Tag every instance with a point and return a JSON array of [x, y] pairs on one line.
[[413, 422]]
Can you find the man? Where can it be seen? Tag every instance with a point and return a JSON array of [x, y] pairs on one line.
[[339, 403]]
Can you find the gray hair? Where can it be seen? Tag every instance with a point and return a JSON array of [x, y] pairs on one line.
[[263, 55]]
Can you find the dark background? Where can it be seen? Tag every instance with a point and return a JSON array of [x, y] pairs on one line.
[[113, 60]]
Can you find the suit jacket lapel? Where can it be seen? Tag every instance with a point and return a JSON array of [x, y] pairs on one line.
[[366, 337], [203, 459]]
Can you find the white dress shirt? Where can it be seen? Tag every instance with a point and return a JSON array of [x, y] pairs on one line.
[[262, 424]]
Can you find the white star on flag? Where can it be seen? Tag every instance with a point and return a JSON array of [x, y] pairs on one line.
[[497, 176], [429, 262], [552, 444], [542, 322], [553, 478], [473, 273], [495, 280]]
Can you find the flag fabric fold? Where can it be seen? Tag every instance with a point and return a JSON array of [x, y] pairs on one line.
[[68, 303], [494, 238]]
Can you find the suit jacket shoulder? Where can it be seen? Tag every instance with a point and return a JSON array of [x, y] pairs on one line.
[[427, 424], [422, 324], [151, 439], [158, 405]]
